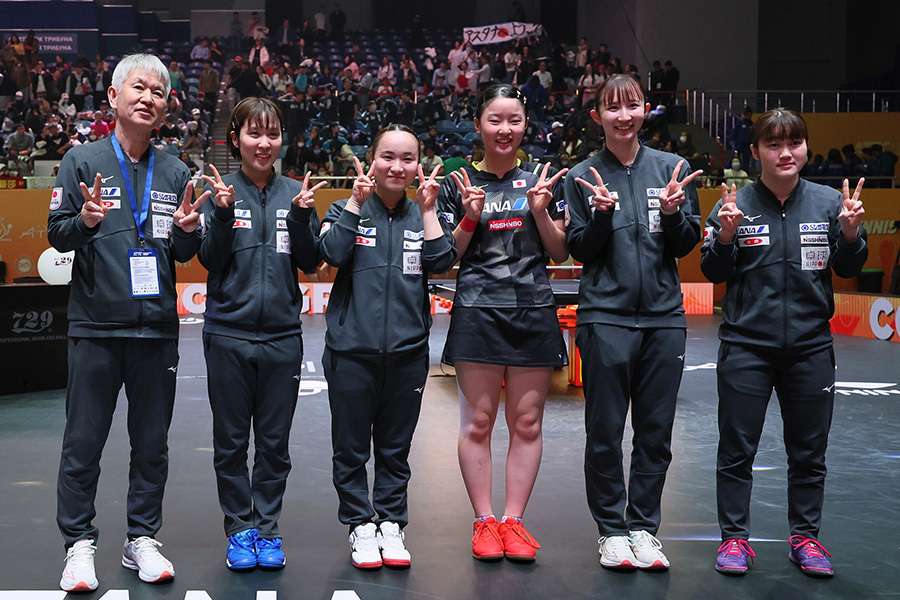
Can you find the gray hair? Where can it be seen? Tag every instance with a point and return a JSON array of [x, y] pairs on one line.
[[145, 62]]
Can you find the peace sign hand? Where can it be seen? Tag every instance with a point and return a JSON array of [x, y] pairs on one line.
[[673, 194], [541, 194], [93, 211], [472, 197], [427, 192], [364, 186], [187, 217], [305, 198], [602, 200], [224, 194], [852, 212], [729, 215]]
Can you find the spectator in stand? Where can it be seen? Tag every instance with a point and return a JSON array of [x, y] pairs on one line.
[[868, 162], [457, 55], [603, 55], [326, 82], [587, 85], [215, 53], [885, 162], [338, 21], [832, 167], [582, 56], [286, 38], [655, 83], [852, 163], [536, 95], [209, 81], [735, 175], [739, 138], [320, 19], [570, 152], [684, 146], [99, 127], [670, 79], [483, 73], [177, 78], [348, 105], [32, 49], [406, 77], [235, 32], [102, 82], [42, 84], [21, 140], [526, 65], [367, 83], [259, 54], [386, 70], [247, 83], [201, 50], [255, 28], [431, 159], [455, 162], [75, 85], [264, 79]]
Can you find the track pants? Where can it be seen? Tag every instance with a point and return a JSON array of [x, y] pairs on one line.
[[642, 367], [252, 384], [805, 389], [98, 367], [375, 403]]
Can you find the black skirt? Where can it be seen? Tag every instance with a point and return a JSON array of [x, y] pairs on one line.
[[518, 337]]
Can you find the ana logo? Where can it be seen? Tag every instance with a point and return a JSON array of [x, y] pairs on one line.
[[241, 214], [518, 183], [110, 192], [505, 224], [56, 198], [504, 205], [655, 192], [816, 238], [752, 230], [804, 227], [365, 230], [753, 241]]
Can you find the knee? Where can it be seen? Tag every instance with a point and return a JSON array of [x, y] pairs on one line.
[[477, 428]]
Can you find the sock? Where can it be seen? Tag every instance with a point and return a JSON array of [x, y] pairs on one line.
[[484, 518], [505, 517]]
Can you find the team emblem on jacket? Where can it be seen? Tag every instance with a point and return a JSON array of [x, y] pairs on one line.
[[56, 198], [814, 258]]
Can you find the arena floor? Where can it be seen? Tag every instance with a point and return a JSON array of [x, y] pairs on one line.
[[861, 528]]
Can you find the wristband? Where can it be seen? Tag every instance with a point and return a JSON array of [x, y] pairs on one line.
[[467, 224]]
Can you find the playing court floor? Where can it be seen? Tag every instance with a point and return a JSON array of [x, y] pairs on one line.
[[861, 523]]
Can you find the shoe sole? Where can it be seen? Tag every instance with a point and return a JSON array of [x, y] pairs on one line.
[[657, 566], [81, 586], [239, 567], [366, 566], [163, 577], [487, 557], [396, 564], [622, 566], [271, 567], [736, 571], [820, 573], [524, 558]]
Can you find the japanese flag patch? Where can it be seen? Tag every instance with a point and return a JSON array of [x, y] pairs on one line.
[[56, 198], [518, 183]]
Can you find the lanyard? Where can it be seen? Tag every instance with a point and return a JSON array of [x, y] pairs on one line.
[[140, 217]]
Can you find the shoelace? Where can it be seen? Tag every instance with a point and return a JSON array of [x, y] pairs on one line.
[[737, 548], [392, 539], [645, 538], [615, 543], [145, 546], [81, 555], [813, 548], [481, 529], [519, 530], [364, 540]]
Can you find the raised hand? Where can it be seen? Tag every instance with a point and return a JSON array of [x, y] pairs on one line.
[[601, 200], [93, 211], [472, 197], [305, 198], [729, 215], [541, 194], [673, 194], [224, 194], [852, 212], [427, 192], [187, 217], [364, 186]]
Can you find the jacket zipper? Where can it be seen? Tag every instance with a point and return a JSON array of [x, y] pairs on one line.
[[387, 284], [637, 245], [784, 272], [262, 271]]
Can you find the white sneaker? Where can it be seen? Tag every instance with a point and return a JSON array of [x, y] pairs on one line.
[[646, 549], [364, 547], [390, 541], [142, 555], [79, 574], [616, 553]]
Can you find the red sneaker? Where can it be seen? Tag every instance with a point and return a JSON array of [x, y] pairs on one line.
[[486, 541], [517, 542]]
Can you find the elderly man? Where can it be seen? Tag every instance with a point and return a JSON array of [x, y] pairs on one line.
[[118, 204]]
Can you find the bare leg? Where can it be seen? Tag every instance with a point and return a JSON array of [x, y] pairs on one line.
[[526, 392], [479, 397]]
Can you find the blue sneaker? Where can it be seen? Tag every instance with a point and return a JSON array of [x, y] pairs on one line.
[[269, 554], [811, 556], [241, 553]]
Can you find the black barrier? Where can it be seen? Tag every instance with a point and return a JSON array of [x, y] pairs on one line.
[[33, 327]]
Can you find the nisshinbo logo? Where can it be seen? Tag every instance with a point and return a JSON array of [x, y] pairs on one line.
[[506, 224]]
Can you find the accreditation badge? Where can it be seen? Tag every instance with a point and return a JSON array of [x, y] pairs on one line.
[[143, 268]]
